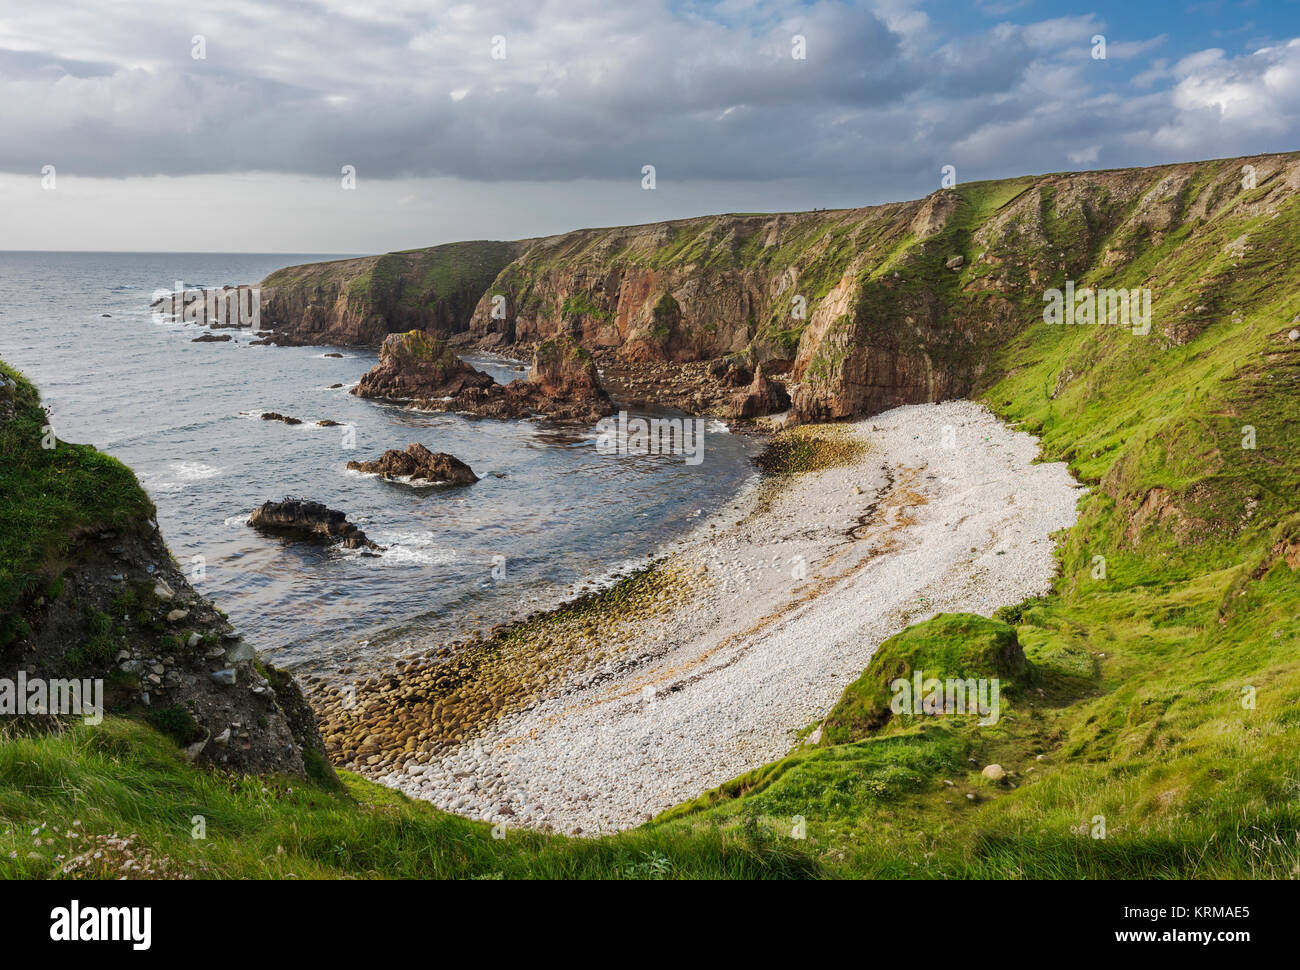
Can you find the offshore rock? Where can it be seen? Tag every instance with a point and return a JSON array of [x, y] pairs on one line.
[[564, 384], [302, 519], [418, 463], [415, 365]]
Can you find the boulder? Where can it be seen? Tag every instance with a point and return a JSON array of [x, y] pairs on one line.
[[418, 463], [302, 519]]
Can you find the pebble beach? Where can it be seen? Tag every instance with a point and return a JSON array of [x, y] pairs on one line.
[[720, 657]]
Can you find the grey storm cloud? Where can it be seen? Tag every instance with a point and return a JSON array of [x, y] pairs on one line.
[[596, 90]]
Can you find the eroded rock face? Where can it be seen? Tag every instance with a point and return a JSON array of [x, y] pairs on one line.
[[417, 366], [313, 521], [178, 663], [764, 396], [114, 628], [418, 463], [874, 307], [563, 384]]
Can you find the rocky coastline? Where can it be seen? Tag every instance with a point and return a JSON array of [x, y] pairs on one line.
[[114, 608]]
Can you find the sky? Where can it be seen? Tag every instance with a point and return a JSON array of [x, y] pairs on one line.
[[330, 126]]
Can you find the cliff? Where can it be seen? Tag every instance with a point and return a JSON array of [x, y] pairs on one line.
[[859, 309], [89, 592], [354, 302]]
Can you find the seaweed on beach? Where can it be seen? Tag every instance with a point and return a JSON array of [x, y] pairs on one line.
[[810, 448]]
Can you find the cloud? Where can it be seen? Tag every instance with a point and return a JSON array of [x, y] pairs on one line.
[[595, 90], [1220, 101]]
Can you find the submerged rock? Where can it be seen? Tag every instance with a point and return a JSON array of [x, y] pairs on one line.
[[418, 463], [211, 338], [302, 519], [277, 416]]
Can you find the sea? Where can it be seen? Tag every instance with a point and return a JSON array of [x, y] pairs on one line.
[[551, 516]]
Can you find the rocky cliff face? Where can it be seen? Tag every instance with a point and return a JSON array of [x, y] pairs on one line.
[[358, 302], [864, 309], [127, 616], [89, 593]]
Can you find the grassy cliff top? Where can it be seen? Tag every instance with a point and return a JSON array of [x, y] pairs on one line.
[[51, 492], [411, 277]]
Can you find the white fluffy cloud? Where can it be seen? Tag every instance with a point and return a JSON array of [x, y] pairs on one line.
[[593, 90], [585, 89], [1220, 100]]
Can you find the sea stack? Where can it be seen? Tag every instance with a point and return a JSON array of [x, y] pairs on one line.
[[414, 365], [563, 386]]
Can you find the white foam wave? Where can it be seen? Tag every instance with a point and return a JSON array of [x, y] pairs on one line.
[[194, 471], [413, 549]]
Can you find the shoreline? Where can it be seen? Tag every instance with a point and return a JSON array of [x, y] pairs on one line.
[[601, 714]]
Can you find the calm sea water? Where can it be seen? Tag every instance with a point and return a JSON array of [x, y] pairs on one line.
[[185, 416]]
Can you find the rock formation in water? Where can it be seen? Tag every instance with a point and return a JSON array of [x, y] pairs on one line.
[[417, 366], [418, 463], [301, 519], [564, 384]]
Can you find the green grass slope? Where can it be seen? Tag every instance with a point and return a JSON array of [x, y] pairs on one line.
[[119, 801], [50, 492], [1159, 737]]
